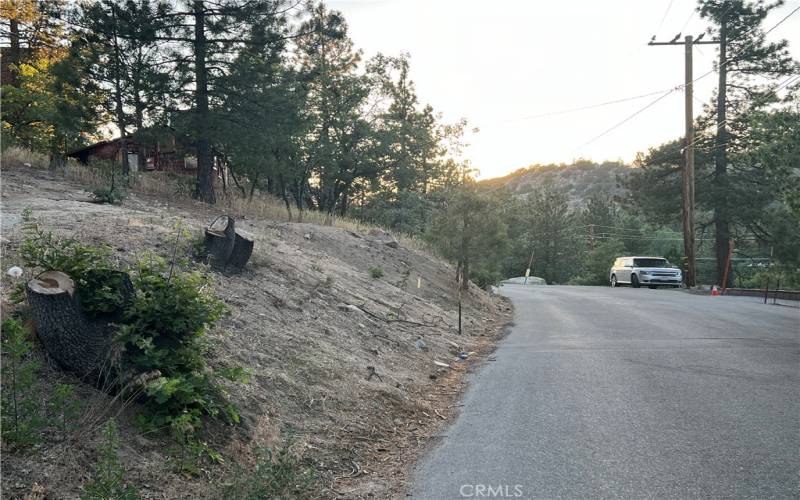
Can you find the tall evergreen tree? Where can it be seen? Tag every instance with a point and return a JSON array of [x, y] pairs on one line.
[[748, 64]]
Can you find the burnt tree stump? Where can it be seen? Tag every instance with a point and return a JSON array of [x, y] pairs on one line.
[[66, 335], [219, 241], [242, 250]]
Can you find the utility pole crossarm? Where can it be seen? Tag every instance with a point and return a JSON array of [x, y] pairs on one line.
[[704, 42]]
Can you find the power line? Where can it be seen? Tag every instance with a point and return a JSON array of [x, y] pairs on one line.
[[792, 79], [664, 17], [590, 106], [652, 103], [632, 116], [691, 16], [729, 59]]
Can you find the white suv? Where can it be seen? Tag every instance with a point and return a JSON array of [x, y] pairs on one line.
[[650, 271]]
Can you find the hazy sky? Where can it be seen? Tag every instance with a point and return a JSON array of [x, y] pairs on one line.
[[500, 63]]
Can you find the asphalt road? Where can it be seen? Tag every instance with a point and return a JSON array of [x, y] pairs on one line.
[[628, 393]]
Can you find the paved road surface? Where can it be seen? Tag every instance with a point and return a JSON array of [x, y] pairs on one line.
[[625, 393]]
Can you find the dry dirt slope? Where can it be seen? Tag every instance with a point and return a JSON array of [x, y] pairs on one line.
[[307, 319]]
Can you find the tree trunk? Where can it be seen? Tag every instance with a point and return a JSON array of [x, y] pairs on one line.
[[57, 160], [61, 326], [721, 216], [204, 189], [15, 52], [120, 111], [242, 250], [220, 239]]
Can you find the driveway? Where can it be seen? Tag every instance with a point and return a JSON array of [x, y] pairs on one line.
[[628, 393]]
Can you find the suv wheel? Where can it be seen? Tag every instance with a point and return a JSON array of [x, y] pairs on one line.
[[635, 281], [613, 280]]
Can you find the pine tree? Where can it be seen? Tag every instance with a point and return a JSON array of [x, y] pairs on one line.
[[744, 56]]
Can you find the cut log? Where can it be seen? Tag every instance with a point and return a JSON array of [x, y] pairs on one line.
[[242, 250], [219, 241], [61, 326]]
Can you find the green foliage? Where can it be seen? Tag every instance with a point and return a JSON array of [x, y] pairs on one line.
[[164, 329], [471, 231], [21, 411], [275, 475], [108, 481], [97, 281], [376, 272], [65, 407], [189, 453], [598, 263]]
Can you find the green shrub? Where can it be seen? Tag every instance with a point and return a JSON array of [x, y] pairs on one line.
[[97, 281], [164, 329], [108, 481], [21, 411], [376, 272], [275, 475], [64, 407]]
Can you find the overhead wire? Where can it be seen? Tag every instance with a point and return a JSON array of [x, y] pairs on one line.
[[654, 102], [795, 77], [591, 106], [664, 17]]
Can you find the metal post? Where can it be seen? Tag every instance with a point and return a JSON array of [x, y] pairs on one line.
[[775, 295], [766, 291]]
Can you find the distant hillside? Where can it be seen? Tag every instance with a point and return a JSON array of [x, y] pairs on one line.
[[581, 179]]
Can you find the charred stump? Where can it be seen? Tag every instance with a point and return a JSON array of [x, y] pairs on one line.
[[66, 335], [242, 250], [219, 241]]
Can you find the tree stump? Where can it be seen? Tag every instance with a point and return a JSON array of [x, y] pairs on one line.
[[242, 250], [219, 241], [61, 326]]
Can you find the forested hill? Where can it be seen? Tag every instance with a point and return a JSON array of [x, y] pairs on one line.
[[581, 179]]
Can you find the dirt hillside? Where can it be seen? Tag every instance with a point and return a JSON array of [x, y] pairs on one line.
[[307, 319]]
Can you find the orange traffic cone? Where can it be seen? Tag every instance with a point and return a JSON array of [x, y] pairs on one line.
[[714, 291]]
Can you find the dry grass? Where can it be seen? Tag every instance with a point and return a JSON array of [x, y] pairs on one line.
[[173, 185], [16, 157], [261, 206]]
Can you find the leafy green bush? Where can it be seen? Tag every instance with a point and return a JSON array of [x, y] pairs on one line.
[[376, 272], [97, 281], [108, 481], [164, 330], [21, 411], [275, 475]]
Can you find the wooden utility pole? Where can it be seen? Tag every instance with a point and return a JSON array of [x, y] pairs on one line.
[[690, 275], [688, 167]]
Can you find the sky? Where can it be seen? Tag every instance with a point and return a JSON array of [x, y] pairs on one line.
[[504, 64]]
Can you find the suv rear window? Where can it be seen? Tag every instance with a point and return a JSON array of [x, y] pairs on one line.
[[649, 262]]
